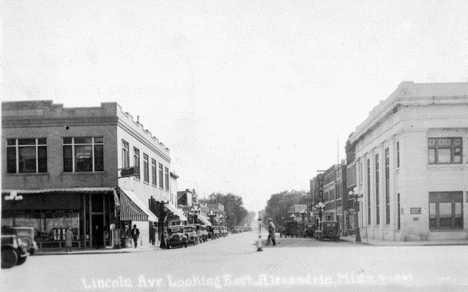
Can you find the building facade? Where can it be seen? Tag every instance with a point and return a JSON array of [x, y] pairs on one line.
[[80, 168], [412, 164]]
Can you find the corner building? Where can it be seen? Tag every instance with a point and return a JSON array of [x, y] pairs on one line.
[[62, 168], [412, 164]]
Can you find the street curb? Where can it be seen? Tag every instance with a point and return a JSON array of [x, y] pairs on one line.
[[117, 251], [408, 244]]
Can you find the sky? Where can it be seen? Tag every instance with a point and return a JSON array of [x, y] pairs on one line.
[[251, 97]]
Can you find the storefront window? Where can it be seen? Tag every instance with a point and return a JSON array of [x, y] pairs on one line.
[[458, 215], [446, 210], [47, 225], [445, 215], [432, 215]]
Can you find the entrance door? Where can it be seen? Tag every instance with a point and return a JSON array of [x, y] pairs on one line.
[[96, 220]]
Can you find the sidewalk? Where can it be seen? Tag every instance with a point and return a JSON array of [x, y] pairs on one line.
[[365, 241], [107, 250]]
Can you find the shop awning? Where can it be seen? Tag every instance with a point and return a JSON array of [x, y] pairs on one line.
[[176, 211], [204, 220], [132, 208]]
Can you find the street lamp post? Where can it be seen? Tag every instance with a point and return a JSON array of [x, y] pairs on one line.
[[303, 215], [320, 206], [163, 214], [15, 198], [356, 196], [212, 215], [194, 211]]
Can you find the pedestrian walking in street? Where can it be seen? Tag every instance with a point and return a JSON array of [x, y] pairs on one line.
[[98, 237], [135, 235], [152, 234], [68, 240], [272, 231]]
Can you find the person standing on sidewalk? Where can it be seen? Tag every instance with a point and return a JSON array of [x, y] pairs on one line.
[[271, 230], [68, 240], [98, 237], [135, 235], [152, 234]]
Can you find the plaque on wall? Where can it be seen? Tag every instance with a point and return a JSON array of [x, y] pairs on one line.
[[415, 211]]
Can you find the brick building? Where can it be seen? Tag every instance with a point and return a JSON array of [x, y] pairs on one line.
[[65, 165]]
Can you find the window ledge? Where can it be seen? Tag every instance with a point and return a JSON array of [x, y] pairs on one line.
[[84, 172], [28, 173], [447, 230], [446, 166]]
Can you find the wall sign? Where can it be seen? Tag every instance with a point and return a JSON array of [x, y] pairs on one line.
[[415, 211]]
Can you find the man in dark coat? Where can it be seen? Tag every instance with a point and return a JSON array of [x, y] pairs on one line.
[[98, 236], [135, 235], [152, 234], [271, 231]]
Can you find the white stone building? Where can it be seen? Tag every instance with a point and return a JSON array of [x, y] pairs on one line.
[[412, 164]]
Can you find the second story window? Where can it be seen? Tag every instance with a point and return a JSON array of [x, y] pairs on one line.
[[146, 168], [153, 172], [166, 176], [27, 155], [125, 154], [161, 178], [136, 162], [81, 154], [445, 150]]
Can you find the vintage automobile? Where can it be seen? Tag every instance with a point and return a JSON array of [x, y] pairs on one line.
[[26, 234], [13, 251], [191, 232], [204, 233], [216, 232], [224, 231], [280, 230], [291, 229], [328, 229], [309, 230], [176, 237]]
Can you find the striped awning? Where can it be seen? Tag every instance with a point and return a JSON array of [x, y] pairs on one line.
[[132, 208], [175, 211], [204, 220]]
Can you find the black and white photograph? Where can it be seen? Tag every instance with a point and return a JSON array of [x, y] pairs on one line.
[[234, 145]]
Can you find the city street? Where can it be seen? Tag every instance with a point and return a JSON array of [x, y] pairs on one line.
[[233, 264]]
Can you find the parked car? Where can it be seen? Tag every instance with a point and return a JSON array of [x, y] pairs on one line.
[[217, 232], [309, 230], [13, 251], [176, 237], [328, 229], [204, 233], [191, 233], [280, 229], [26, 234], [291, 229], [224, 231]]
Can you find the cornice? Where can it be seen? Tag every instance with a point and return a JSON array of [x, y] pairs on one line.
[[143, 141], [10, 122]]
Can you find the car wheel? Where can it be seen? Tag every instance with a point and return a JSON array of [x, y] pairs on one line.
[[9, 258], [169, 246], [32, 252], [21, 261], [186, 245]]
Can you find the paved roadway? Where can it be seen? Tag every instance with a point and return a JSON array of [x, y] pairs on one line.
[[233, 264]]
